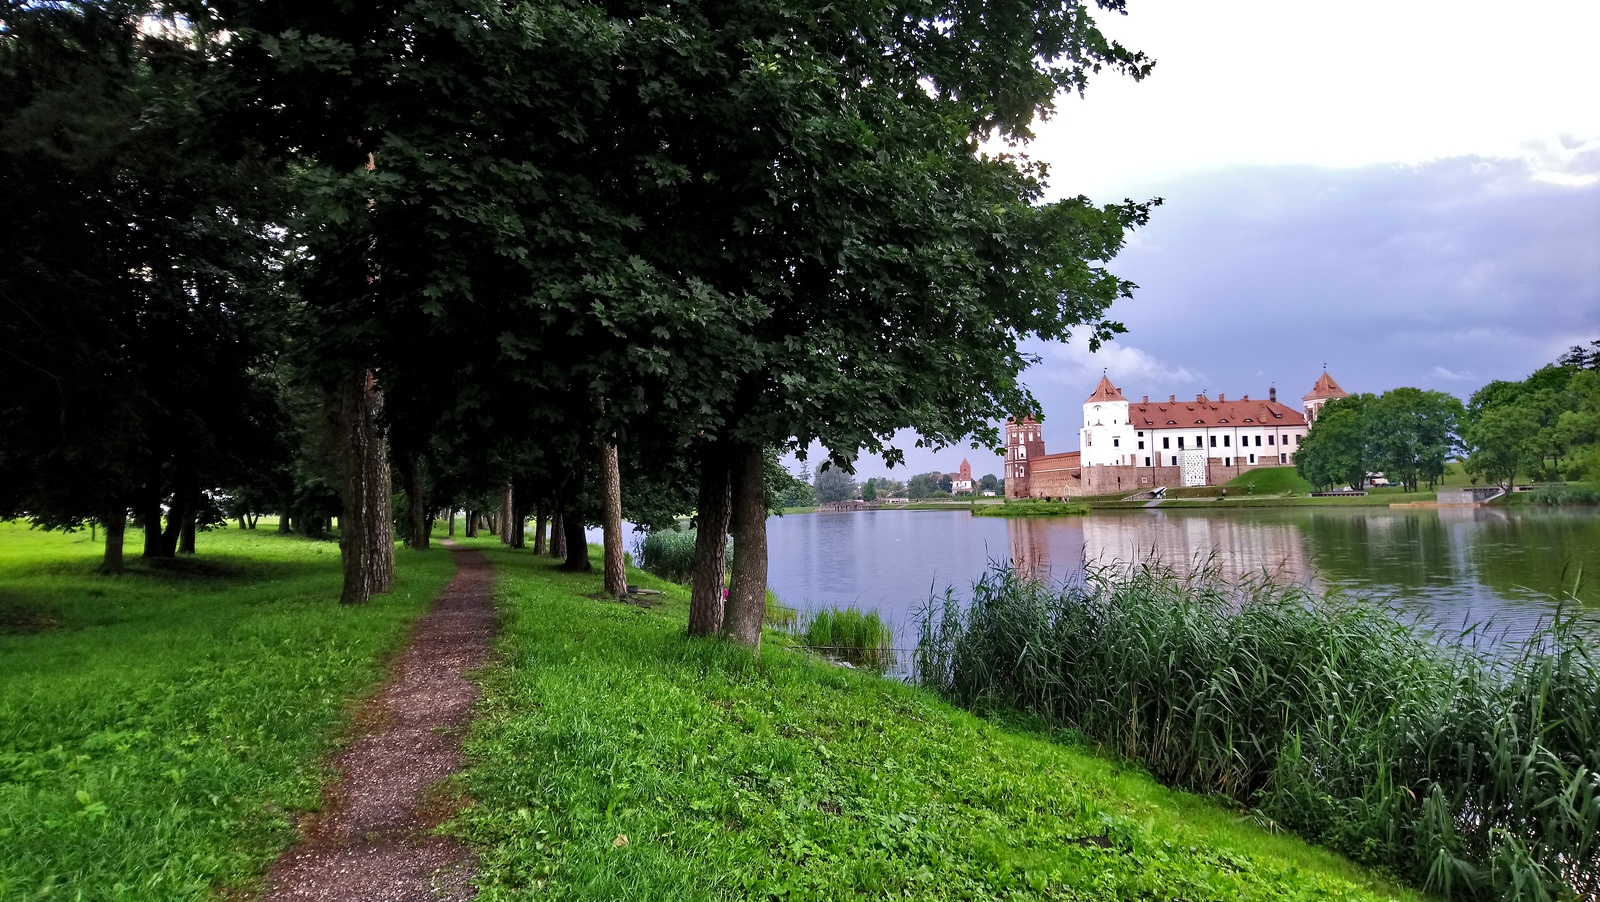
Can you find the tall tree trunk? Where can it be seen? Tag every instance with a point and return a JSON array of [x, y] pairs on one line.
[[508, 504], [452, 522], [558, 536], [285, 516], [366, 529], [116, 529], [191, 513], [616, 575], [419, 515], [519, 517], [175, 516], [710, 544], [541, 517], [150, 517], [747, 597], [577, 546]]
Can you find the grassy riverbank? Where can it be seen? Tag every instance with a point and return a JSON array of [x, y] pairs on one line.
[[615, 758], [1472, 775], [159, 729], [1032, 509]]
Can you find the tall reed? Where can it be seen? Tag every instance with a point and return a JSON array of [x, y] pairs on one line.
[[859, 637], [1476, 777], [669, 554]]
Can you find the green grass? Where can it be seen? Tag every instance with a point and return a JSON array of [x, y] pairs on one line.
[[159, 729], [785, 777], [1270, 481], [1475, 776], [669, 554], [1033, 509]]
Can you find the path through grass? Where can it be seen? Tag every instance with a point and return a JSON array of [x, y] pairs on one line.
[[159, 729]]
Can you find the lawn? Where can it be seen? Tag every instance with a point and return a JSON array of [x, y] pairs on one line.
[[616, 759], [161, 728]]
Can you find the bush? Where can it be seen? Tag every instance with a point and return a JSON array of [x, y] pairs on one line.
[[861, 638], [1556, 495], [1476, 777]]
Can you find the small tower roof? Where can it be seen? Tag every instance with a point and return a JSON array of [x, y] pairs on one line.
[[1105, 391], [1325, 388]]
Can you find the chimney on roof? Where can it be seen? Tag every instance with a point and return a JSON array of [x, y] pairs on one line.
[[1147, 399], [1221, 397], [1272, 393], [1172, 399], [1246, 398]]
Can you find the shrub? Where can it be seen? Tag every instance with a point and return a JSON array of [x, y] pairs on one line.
[[1554, 495], [1477, 777]]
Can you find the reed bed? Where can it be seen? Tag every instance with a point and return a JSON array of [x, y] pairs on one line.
[[1473, 776], [858, 637], [669, 554]]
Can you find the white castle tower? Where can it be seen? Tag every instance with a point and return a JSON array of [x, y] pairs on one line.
[[1107, 436]]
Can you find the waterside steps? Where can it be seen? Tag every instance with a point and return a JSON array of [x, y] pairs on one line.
[[1471, 495]]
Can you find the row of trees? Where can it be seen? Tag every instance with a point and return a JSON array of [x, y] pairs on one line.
[[564, 262], [833, 484], [1544, 427]]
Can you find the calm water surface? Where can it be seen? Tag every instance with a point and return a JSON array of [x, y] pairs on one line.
[[1451, 567]]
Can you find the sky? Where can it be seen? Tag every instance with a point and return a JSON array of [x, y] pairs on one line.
[[1406, 191]]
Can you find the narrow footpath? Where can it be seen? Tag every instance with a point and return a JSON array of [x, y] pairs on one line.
[[371, 841]]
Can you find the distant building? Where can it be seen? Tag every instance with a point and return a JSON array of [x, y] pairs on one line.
[[1127, 446], [961, 480]]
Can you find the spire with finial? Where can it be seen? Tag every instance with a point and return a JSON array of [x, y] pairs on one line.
[[1105, 391]]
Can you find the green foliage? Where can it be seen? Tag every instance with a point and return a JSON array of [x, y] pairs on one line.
[[1557, 495], [869, 490], [785, 777], [163, 729], [833, 484], [1032, 509], [859, 637], [1471, 775], [1503, 442]]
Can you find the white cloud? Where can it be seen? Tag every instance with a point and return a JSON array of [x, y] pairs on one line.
[[1453, 376], [1127, 366]]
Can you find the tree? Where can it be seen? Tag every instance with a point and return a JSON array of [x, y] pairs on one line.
[[1412, 433], [923, 484], [1338, 450], [869, 491], [989, 483], [833, 484], [1502, 441]]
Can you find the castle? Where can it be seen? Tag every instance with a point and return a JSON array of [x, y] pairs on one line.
[[1128, 446]]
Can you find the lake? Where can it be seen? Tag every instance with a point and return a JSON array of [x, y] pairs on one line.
[[1448, 566]]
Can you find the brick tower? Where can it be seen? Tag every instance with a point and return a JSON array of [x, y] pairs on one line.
[[1024, 443]]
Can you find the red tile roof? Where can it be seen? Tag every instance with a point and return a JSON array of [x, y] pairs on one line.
[[1178, 414], [1325, 388], [1105, 391]]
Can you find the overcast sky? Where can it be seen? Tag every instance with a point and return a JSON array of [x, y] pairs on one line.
[[1406, 190]]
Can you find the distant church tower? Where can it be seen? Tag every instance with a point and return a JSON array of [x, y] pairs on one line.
[[1023, 444], [1324, 391]]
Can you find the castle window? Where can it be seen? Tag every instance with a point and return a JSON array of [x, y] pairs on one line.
[[1213, 441], [1166, 442], [1258, 442], [1141, 435], [1116, 442], [1225, 440], [1283, 458], [1252, 458], [1269, 439], [1174, 460], [1147, 460], [1227, 461], [1141, 444], [1180, 441]]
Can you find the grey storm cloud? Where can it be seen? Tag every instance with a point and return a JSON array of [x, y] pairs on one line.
[[1443, 275]]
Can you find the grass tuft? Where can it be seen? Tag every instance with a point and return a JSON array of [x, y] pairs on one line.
[[847, 634]]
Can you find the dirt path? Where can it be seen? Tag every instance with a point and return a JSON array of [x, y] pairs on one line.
[[371, 841]]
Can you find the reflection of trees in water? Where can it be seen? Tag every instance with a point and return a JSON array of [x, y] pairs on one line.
[[1398, 551], [1520, 553]]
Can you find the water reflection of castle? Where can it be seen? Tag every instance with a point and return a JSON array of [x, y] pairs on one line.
[[1058, 548]]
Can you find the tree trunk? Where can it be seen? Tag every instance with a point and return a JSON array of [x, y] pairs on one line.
[[285, 517], [541, 517], [452, 522], [616, 575], [577, 546], [558, 536], [747, 597], [508, 505], [366, 530], [710, 544], [519, 517], [419, 516], [175, 517], [116, 529], [150, 516], [186, 529]]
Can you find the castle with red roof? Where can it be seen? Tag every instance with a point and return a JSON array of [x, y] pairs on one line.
[[1133, 445]]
